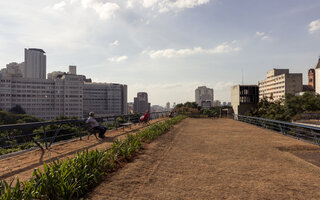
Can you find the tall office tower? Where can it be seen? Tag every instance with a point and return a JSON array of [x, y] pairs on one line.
[[141, 104], [204, 97], [34, 63]]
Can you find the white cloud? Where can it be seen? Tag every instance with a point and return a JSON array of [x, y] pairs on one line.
[[168, 5], [118, 58], [263, 36], [59, 6], [114, 43], [104, 10], [170, 53], [314, 26]]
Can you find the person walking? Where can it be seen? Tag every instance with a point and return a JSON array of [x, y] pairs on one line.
[[95, 125]]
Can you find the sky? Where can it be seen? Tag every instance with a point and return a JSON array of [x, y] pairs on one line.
[[166, 48]]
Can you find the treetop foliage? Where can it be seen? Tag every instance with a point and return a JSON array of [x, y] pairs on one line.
[[287, 109]]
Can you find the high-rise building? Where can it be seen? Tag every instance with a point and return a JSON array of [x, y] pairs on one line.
[[104, 99], [244, 98], [278, 83], [72, 69], [141, 104], [204, 97], [34, 63]]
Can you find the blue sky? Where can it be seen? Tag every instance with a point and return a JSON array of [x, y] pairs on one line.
[[165, 47]]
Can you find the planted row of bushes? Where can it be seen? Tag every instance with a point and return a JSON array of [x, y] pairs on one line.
[[72, 178]]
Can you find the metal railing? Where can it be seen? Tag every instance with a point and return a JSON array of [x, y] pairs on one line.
[[299, 131], [15, 137]]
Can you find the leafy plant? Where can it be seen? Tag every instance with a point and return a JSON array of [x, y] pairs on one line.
[[72, 178]]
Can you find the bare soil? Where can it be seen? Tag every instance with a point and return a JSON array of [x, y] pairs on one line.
[[218, 159], [22, 165]]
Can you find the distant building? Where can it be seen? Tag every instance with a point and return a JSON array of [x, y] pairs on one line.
[[72, 69], [62, 94], [13, 70], [311, 78], [157, 108], [130, 107], [244, 98], [53, 75], [141, 104], [204, 97], [216, 103], [35, 63], [104, 99], [168, 106], [278, 83], [317, 77]]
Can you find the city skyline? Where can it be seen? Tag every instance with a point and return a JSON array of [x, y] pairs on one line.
[[165, 48]]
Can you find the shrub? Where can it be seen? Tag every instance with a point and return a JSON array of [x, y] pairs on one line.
[[72, 178]]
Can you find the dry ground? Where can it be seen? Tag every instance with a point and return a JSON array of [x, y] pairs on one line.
[[22, 165], [218, 159]]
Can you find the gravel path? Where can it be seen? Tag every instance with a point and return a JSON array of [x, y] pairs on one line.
[[217, 159]]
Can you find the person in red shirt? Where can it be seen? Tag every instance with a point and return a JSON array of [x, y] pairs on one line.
[[145, 117]]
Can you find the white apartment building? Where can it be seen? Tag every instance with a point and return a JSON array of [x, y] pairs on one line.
[[278, 83], [43, 98], [204, 96], [35, 63]]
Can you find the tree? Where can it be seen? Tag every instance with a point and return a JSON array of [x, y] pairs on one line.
[[17, 109]]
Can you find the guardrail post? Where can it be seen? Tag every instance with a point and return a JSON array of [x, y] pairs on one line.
[[298, 133], [281, 129], [79, 130], [45, 136], [315, 137]]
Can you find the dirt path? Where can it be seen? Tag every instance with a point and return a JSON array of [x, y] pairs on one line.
[[22, 165], [217, 159]]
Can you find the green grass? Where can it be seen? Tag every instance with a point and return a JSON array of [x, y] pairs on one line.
[[72, 178]]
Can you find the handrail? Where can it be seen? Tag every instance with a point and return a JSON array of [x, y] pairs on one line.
[[299, 131], [24, 135]]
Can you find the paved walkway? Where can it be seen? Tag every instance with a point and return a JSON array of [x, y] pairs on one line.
[[217, 159]]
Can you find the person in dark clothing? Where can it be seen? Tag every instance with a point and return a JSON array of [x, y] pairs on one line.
[[95, 125]]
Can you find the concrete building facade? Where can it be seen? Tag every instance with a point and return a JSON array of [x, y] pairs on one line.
[[140, 103], [35, 63], [244, 98], [204, 97], [43, 98], [311, 78], [278, 83], [104, 99]]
